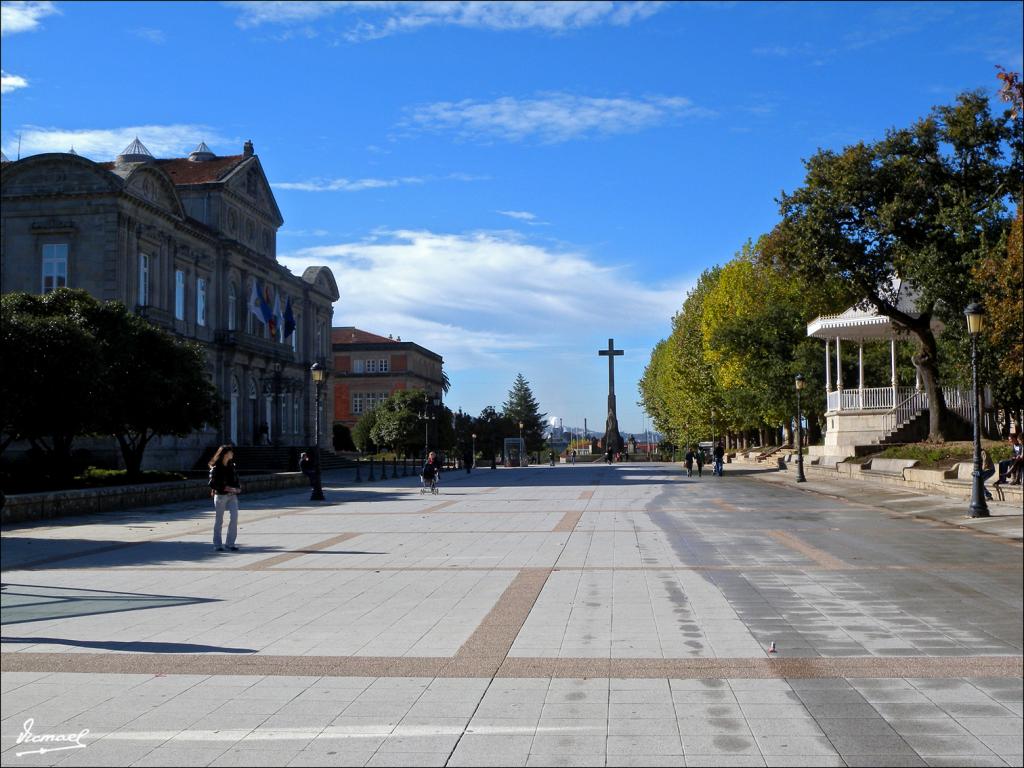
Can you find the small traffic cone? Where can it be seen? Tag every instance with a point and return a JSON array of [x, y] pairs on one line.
[[771, 648]]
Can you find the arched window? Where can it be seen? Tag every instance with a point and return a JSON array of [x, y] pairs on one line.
[[232, 306]]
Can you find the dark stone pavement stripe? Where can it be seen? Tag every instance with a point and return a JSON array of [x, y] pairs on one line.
[[284, 557], [488, 646], [379, 666], [822, 558], [568, 523]]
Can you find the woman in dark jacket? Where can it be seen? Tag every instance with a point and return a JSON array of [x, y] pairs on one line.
[[225, 486]]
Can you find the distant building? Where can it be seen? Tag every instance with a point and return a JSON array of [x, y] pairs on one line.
[[183, 242], [368, 368]]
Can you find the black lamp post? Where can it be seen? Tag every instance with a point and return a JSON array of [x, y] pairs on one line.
[[472, 461], [428, 416], [975, 320], [319, 374], [799, 432], [522, 448]]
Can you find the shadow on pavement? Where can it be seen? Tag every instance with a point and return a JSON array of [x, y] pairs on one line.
[[36, 602], [130, 647]]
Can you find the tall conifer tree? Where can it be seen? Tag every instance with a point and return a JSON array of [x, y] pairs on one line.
[[521, 406]]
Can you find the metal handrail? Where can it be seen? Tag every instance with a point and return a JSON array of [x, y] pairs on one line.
[[905, 410]]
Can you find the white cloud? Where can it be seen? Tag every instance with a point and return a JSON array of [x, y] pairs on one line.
[[345, 185], [10, 83], [151, 35], [105, 143], [479, 297], [521, 215], [360, 185], [23, 16], [380, 19], [550, 117]]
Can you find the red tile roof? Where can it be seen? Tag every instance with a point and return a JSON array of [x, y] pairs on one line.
[[351, 335], [185, 171]]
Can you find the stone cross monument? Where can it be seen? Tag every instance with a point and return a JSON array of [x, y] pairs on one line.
[[612, 438]]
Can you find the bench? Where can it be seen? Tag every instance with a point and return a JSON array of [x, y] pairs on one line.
[[828, 461], [893, 467]]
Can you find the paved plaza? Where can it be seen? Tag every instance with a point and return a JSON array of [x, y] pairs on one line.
[[568, 615]]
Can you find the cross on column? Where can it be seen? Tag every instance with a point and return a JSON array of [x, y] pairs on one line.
[[611, 354]]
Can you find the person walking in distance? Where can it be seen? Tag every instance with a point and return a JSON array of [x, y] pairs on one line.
[[225, 487], [719, 458], [689, 459], [701, 458]]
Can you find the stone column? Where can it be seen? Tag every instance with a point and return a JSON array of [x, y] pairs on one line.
[[892, 364], [860, 364], [839, 375]]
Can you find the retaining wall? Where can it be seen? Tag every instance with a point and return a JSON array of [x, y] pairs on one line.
[[25, 507]]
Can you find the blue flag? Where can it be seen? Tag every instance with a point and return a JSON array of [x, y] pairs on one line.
[[289, 318]]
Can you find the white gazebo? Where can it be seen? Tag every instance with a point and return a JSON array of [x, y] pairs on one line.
[[866, 415]]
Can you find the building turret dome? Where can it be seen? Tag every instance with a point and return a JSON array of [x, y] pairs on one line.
[[135, 152], [201, 153]]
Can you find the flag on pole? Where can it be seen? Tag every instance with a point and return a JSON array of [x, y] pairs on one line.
[[276, 327], [266, 310], [289, 318], [254, 302]]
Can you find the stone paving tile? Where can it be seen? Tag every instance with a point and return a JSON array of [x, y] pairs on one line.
[[612, 611], [725, 761]]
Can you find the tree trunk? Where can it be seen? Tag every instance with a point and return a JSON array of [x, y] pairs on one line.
[[787, 433], [926, 362], [813, 428], [132, 452]]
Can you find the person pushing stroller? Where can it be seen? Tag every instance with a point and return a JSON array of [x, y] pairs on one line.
[[430, 474]]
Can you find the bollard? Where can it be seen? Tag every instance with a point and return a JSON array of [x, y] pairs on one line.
[[359, 477], [371, 478]]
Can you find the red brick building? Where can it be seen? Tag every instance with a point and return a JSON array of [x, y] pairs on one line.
[[368, 368]]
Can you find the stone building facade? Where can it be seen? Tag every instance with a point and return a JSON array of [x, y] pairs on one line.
[[183, 242], [368, 368]]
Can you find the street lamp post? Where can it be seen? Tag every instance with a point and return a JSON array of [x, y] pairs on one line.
[[799, 432], [522, 448], [975, 320], [319, 374], [428, 416], [472, 449]]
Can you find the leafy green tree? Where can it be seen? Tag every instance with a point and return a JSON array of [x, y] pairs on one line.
[[49, 391], [925, 204], [362, 431], [399, 425], [521, 406], [491, 429], [154, 384], [95, 368]]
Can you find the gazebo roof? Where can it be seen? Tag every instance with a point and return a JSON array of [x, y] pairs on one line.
[[866, 324]]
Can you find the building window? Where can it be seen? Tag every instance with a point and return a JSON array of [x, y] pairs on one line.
[[359, 366], [201, 301], [384, 365], [55, 266], [179, 294], [371, 366], [295, 335], [357, 403], [144, 279], [232, 306]]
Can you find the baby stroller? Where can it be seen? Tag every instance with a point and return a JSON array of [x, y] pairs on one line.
[[428, 485]]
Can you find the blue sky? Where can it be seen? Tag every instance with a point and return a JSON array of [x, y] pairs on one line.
[[506, 184]]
